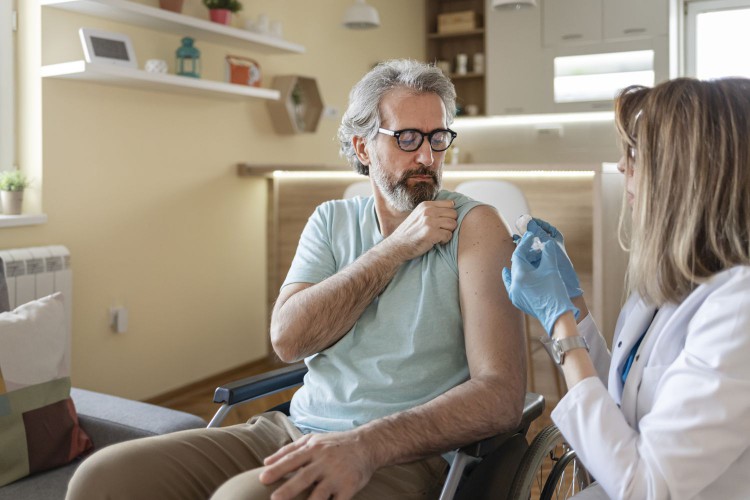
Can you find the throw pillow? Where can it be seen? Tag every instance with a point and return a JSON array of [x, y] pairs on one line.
[[39, 427]]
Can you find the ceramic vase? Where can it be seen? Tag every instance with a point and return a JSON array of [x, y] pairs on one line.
[[11, 202], [221, 16], [171, 5]]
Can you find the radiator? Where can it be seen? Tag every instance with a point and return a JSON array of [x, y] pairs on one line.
[[35, 272]]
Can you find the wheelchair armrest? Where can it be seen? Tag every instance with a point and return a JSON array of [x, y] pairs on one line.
[[261, 385], [532, 408]]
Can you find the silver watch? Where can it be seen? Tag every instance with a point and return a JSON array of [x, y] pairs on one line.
[[557, 348]]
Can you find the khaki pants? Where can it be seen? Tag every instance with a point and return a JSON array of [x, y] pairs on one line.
[[223, 463]]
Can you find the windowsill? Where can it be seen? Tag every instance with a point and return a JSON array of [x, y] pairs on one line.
[[22, 220]]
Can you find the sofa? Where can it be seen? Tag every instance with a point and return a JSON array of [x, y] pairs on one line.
[[35, 397], [106, 419]]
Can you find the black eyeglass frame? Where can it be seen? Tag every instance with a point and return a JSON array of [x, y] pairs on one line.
[[422, 135]]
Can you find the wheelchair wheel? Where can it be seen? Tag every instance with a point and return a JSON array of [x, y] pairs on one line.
[[550, 469]]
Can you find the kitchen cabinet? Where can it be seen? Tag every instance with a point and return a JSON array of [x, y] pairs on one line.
[[523, 45], [571, 21], [519, 76], [635, 18]]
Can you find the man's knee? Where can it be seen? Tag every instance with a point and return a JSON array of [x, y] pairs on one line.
[[100, 475], [247, 486], [244, 486]]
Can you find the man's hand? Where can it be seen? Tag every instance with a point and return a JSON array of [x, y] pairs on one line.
[[432, 222], [328, 465]]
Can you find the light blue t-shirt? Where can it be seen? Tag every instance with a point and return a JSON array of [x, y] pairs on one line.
[[407, 348]]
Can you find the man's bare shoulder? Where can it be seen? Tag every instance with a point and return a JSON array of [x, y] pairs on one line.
[[484, 220], [484, 235]]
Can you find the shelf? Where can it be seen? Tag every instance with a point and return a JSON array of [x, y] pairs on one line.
[[22, 220], [129, 77], [456, 76], [162, 20], [475, 32], [285, 117]]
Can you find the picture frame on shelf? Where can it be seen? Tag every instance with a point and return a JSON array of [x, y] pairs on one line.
[[106, 47]]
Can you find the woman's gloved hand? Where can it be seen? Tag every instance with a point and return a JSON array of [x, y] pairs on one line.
[[534, 284], [541, 228]]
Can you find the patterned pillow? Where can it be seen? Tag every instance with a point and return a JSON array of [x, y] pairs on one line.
[[38, 422]]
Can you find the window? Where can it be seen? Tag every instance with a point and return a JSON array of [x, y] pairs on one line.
[[717, 38], [7, 84], [598, 77]]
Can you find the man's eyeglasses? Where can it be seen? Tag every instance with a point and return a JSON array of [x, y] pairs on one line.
[[411, 139]]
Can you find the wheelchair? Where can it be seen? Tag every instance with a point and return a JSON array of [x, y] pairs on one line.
[[502, 467]]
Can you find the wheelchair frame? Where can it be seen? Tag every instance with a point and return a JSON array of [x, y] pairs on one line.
[[258, 386]]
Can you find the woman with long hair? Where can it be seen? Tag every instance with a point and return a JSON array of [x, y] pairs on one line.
[[666, 412]]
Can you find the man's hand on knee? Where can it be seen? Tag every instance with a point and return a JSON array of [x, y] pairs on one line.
[[334, 464]]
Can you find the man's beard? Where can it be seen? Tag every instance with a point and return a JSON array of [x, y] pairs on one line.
[[397, 191]]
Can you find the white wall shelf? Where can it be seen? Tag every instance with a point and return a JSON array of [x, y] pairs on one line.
[[170, 22], [22, 220], [129, 77]]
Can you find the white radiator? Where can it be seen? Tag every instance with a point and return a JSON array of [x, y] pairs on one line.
[[35, 272]]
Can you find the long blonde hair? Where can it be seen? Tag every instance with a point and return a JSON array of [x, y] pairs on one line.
[[691, 218]]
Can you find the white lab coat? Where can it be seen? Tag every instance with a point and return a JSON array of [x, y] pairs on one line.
[[680, 426]]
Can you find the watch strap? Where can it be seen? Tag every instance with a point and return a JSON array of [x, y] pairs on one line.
[[557, 348]]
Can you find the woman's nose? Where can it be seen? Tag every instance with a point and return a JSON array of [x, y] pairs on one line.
[[622, 165]]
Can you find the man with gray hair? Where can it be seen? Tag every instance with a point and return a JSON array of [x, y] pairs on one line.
[[396, 304]]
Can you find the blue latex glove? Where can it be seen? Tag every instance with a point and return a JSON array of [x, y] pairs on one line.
[[545, 230], [535, 285]]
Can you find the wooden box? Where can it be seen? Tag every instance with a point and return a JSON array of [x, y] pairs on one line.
[[453, 22]]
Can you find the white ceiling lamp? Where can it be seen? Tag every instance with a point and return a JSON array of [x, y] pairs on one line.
[[361, 16], [513, 4]]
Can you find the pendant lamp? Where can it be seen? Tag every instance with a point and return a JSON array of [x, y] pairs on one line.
[[513, 4], [361, 16]]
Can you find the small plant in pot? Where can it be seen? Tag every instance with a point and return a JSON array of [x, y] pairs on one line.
[[12, 185], [220, 11]]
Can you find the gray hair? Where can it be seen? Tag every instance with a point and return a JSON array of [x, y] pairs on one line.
[[362, 117]]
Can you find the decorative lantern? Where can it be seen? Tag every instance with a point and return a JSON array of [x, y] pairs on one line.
[[188, 59]]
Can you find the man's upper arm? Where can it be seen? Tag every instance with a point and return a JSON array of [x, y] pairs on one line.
[[493, 327]]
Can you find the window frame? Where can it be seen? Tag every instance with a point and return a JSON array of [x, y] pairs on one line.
[[7, 84], [692, 10]]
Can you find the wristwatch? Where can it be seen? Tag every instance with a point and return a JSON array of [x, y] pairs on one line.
[[557, 348]]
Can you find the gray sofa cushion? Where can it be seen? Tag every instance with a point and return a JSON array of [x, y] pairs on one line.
[[111, 419], [107, 420]]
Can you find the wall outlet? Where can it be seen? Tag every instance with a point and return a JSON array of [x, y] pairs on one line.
[[118, 319], [330, 112]]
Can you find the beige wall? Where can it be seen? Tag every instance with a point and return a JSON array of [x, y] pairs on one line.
[[141, 187]]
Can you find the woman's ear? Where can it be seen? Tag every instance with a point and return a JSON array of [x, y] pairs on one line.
[[360, 149]]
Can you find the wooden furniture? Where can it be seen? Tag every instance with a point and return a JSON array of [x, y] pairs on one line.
[[126, 11], [445, 45], [299, 106]]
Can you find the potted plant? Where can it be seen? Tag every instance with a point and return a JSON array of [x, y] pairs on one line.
[[12, 184], [220, 11], [298, 99]]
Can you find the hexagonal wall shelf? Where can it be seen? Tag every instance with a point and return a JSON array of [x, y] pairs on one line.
[[299, 107]]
